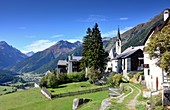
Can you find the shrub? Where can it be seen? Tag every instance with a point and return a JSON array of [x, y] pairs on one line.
[[110, 79], [137, 75], [43, 82], [76, 77], [94, 75], [117, 79], [62, 78], [130, 75], [158, 100]]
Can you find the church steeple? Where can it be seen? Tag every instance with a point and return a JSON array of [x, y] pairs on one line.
[[118, 42], [118, 34]]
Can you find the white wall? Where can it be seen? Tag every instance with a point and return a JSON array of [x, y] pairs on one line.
[[126, 65], [114, 65], [70, 67], [154, 71]]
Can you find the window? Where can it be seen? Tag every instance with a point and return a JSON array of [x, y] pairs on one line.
[[146, 65], [148, 72]]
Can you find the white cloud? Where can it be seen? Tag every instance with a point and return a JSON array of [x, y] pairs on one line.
[[57, 36], [93, 18], [123, 18], [74, 40], [38, 45], [114, 32]]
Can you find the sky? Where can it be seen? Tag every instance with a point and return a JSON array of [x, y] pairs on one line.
[[34, 25]]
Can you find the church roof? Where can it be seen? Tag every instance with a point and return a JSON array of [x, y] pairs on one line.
[[129, 51]]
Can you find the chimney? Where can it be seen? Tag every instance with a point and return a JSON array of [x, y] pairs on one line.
[[166, 14]]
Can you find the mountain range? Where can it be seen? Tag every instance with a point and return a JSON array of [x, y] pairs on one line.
[[29, 54], [9, 55], [45, 60]]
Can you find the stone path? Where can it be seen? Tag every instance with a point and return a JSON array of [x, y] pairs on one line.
[[132, 104], [122, 98]]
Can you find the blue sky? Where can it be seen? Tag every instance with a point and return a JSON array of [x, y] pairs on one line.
[[33, 25]]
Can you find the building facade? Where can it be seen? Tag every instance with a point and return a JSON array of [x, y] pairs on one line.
[[154, 75]]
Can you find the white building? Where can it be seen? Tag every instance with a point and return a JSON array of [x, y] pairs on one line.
[[154, 75], [112, 64], [129, 60]]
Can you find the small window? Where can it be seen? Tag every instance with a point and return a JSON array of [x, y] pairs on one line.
[[148, 72], [146, 65]]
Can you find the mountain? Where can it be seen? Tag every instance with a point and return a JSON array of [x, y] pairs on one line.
[[45, 60], [9, 55], [136, 35], [29, 54]]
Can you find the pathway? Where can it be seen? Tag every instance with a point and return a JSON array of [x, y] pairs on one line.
[[132, 104], [122, 98]]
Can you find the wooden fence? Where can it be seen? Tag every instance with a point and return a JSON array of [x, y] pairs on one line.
[[79, 92]]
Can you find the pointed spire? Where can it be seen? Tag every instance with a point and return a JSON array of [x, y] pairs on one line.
[[118, 34]]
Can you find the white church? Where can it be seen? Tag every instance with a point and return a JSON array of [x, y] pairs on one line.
[[127, 61]]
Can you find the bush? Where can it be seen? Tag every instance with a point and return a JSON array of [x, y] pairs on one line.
[[117, 79], [94, 75], [110, 79], [62, 78], [137, 75], [158, 100], [76, 77], [130, 75]]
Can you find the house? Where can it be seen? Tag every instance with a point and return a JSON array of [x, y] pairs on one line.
[[62, 66], [131, 60], [113, 61], [73, 64], [154, 75]]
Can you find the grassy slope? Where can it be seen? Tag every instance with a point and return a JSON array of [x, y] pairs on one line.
[[72, 87], [32, 99], [8, 89]]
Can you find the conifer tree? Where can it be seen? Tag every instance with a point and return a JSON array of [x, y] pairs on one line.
[[159, 48], [86, 47], [94, 56]]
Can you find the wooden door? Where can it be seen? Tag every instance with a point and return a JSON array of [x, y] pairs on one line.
[[157, 82]]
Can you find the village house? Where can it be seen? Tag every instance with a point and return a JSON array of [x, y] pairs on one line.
[[129, 60], [62, 66], [72, 64], [155, 77]]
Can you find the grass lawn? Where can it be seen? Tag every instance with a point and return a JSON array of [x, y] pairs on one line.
[[3, 91], [32, 99], [72, 87]]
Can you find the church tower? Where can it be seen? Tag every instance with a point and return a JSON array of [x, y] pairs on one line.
[[118, 43]]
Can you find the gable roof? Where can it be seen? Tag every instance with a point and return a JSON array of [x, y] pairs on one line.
[[156, 29], [62, 62], [129, 51]]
